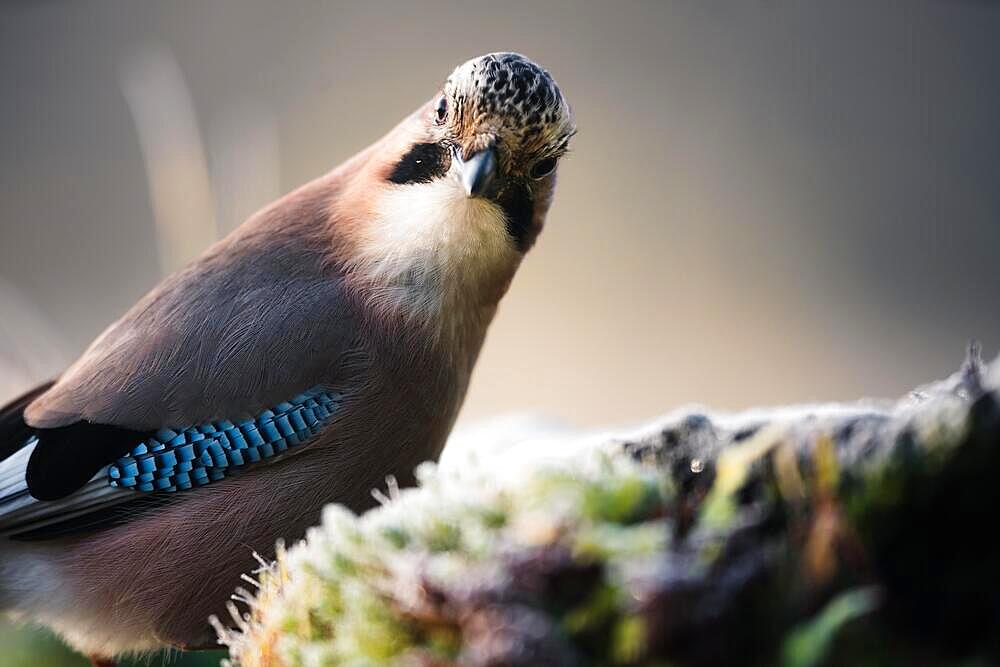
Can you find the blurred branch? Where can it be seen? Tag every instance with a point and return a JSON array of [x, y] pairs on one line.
[[176, 167]]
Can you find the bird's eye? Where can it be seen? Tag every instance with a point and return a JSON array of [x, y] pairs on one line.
[[442, 109], [543, 168]]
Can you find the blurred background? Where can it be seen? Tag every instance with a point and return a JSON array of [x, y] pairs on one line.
[[767, 201]]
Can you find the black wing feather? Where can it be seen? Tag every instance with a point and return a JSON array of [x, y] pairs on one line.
[[67, 457], [60, 465]]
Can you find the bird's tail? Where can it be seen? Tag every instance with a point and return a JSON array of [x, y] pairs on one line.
[[14, 432]]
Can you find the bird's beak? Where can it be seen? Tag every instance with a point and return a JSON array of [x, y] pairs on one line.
[[478, 171]]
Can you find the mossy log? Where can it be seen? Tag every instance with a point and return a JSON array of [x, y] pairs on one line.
[[819, 535]]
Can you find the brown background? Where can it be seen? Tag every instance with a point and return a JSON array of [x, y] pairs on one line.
[[767, 201]]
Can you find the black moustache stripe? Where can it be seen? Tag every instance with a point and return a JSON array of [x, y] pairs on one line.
[[422, 164], [519, 209]]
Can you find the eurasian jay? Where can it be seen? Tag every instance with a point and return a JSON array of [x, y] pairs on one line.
[[323, 345]]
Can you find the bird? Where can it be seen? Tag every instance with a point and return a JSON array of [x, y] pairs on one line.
[[323, 346]]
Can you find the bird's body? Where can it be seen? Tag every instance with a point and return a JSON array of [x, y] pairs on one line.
[[372, 287]]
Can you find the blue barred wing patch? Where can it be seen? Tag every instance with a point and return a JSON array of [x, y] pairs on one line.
[[178, 460]]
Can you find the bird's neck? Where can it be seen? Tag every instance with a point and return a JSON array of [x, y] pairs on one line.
[[431, 255]]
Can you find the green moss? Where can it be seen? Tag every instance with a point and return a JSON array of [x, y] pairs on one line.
[[768, 552], [809, 644]]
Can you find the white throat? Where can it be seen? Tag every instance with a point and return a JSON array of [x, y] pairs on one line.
[[433, 250]]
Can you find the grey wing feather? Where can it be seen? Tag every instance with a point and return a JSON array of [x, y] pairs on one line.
[[20, 513], [260, 318], [242, 329]]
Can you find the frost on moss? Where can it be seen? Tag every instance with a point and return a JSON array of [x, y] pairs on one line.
[[800, 537]]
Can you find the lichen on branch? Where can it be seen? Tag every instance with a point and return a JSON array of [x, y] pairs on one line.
[[817, 535]]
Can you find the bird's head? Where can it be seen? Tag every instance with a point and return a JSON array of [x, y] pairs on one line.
[[498, 128], [502, 123], [464, 184]]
